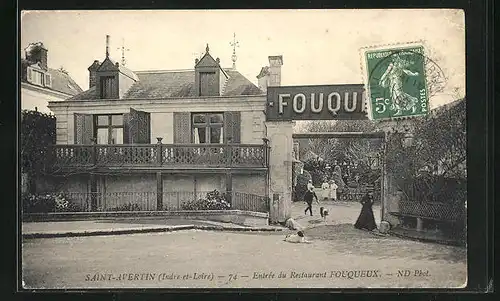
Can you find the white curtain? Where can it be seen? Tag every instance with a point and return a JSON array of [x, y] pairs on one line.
[[197, 140], [196, 136]]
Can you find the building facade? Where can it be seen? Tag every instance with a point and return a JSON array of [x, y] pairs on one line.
[[160, 138], [41, 84]]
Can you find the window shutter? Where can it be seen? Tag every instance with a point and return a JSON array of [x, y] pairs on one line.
[[48, 80], [29, 74], [208, 84], [143, 126], [232, 127], [137, 127], [182, 127], [84, 128]]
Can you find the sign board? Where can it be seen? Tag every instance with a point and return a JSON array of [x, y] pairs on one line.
[[323, 102]]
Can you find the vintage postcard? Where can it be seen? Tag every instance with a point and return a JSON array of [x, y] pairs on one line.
[[243, 149]]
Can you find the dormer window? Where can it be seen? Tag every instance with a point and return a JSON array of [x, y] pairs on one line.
[[38, 78], [209, 76], [108, 87], [208, 84]]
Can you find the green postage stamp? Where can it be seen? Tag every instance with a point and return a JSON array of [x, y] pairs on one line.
[[395, 81]]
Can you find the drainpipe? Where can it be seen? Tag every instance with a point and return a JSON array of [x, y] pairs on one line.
[[383, 180], [267, 149]]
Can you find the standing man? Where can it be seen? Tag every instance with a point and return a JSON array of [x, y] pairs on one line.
[[310, 184], [308, 198]]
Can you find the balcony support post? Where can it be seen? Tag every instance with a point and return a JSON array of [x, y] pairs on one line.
[[93, 180], [159, 155], [229, 153], [229, 186], [93, 192], [94, 152], [229, 176], [159, 191]]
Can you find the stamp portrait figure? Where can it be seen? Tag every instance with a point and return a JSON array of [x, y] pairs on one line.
[[393, 79]]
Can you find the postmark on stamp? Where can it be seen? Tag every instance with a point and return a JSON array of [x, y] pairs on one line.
[[397, 83]]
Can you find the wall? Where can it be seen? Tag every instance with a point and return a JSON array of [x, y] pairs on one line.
[[253, 184], [280, 169], [178, 189], [141, 188], [274, 75], [75, 187], [222, 82], [162, 125], [263, 83], [128, 183], [206, 183], [391, 201], [34, 97], [239, 217], [63, 128], [252, 127]]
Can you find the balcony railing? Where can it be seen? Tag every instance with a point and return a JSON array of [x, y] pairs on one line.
[[160, 155]]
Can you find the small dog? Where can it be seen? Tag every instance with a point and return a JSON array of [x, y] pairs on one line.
[[296, 238], [323, 212]]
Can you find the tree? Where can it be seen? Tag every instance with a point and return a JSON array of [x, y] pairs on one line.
[[433, 166], [316, 168], [354, 151], [301, 187], [38, 134], [344, 149]]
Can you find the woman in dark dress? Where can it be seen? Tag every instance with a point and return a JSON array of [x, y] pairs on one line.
[[366, 220]]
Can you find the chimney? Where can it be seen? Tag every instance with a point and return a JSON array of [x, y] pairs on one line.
[[93, 73], [37, 53], [275, 63]]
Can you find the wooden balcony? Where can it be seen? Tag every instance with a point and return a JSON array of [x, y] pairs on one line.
[[159, 156]]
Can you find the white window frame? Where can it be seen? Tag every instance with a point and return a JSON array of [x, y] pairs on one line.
[[208, 125]]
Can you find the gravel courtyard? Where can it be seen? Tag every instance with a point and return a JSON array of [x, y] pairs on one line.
[[338, 257]]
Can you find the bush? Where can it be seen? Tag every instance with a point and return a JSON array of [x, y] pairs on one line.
[[51, 202], [75, 207], [214, 200], [127, 207], [318, 177], [38, 203]]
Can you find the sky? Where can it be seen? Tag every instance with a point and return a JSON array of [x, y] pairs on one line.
[[318, 46]]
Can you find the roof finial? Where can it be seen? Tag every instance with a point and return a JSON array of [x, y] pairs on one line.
[[207, 49], [123, 49], [235, 44], [107, 46]]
